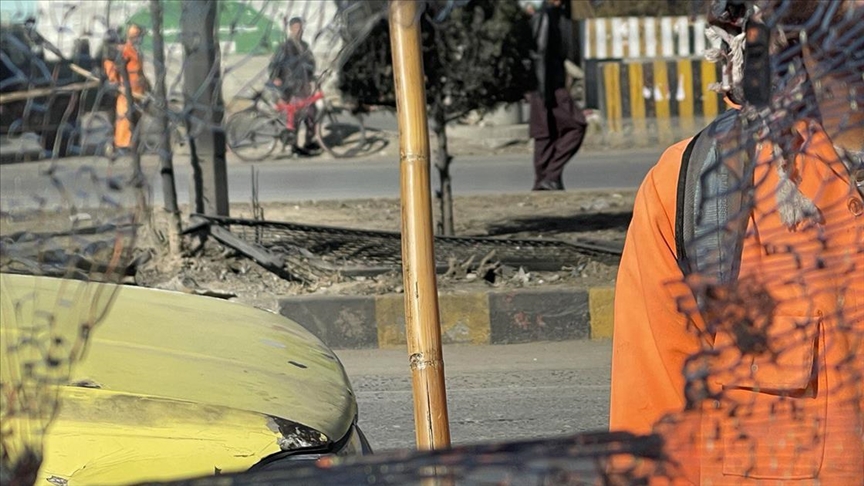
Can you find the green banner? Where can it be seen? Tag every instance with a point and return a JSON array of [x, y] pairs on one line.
[[242, 29]]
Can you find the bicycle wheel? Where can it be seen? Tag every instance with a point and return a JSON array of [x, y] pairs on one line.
[[341, 133], [252, 135]]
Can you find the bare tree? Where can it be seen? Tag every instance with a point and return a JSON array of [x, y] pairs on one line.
[[476, 57], [169, 189]]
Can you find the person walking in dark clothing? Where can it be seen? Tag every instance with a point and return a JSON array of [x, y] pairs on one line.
[[292, 72], [557, 124]]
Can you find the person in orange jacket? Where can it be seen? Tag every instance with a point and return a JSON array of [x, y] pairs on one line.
[[759, 381], [124, 123]]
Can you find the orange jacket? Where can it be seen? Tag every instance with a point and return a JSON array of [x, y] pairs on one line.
[[792, 413], [134, 67]]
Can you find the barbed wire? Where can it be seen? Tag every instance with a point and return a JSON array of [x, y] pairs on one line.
[[67, 227], [775, 390]]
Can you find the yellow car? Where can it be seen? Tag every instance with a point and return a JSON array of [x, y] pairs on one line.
[[176, 386]]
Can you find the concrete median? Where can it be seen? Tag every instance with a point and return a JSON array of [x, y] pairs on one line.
[[477, 318]]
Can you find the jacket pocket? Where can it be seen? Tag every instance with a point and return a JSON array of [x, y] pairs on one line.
[[773, 419]]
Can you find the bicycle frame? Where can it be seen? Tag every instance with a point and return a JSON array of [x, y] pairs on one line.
[[296, 105]]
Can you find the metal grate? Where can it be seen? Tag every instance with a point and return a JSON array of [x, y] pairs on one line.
[[351, 248]]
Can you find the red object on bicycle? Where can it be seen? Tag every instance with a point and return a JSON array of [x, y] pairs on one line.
[[297, 104]]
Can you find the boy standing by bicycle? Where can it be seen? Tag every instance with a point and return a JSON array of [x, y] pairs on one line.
[[292, 72]]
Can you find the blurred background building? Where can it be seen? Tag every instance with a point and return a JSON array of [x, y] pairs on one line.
[[641, 60]]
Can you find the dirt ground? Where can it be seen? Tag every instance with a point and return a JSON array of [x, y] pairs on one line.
[[595, 216]]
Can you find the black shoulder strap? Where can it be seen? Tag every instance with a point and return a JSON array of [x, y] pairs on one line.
[[711, 208], [681, 203]]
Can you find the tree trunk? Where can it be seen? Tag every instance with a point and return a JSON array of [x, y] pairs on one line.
[[169, 189], [202, 94], [442, 164]]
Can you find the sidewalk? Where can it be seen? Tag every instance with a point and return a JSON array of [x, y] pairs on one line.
[[633, 134], [462, 139]]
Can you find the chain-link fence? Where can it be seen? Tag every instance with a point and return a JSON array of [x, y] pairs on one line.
[[77, 221], [762, 345]]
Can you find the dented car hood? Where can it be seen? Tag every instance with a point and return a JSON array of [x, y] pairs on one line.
[[176, 385]]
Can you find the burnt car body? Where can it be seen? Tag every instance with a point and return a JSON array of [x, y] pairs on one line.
[[58, 94]]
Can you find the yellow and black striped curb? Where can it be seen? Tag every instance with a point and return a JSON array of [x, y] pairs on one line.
[[478, 318]]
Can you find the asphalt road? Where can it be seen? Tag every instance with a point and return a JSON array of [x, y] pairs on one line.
[[319, 179], [379, 176], [495, 393]]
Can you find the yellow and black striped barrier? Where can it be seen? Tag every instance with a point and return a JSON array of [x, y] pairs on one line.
[[662, 99]]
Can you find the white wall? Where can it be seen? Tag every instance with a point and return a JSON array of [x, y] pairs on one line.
[[61, 22]]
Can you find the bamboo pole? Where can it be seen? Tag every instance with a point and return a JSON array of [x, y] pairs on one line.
[[423, 329]]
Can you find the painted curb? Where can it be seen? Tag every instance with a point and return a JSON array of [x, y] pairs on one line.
[[476, 318], [601, 306]]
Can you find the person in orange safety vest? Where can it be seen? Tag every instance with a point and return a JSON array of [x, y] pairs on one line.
[[124, 123], [761, 381]]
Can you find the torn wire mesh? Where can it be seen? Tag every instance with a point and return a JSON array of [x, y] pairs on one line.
[[75, 233], [70, 223], [578, 460], [774, 258]]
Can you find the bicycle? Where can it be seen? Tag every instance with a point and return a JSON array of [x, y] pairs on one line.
[[253, 133]]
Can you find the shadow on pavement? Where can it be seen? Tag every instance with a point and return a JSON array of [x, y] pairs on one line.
[[551, 225], [376, 141]]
